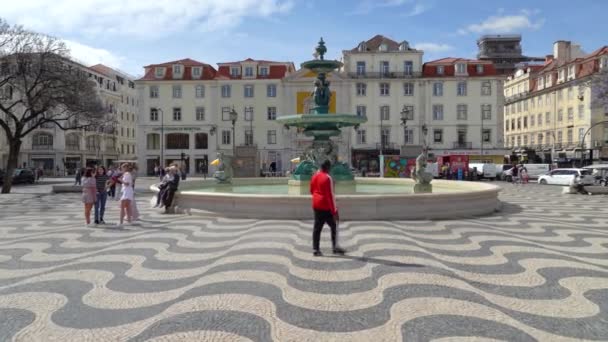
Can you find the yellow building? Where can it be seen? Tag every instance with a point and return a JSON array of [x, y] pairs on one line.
[[549, 108]]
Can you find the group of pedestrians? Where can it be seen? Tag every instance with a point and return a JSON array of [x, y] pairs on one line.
[[98, 184], [169, 183]]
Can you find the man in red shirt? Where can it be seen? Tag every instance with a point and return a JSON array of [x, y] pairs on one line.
[[324, 206]]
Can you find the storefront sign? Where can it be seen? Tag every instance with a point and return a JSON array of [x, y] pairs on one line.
[[468, 152], [177, 129]]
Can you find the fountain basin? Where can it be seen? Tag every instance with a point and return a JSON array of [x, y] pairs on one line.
[[268, 198]]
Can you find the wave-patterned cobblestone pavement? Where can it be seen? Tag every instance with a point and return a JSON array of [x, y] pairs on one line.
[[536, 271]]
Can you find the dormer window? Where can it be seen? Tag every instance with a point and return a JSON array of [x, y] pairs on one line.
[[604, 62], [235, 71], [541, 82], [362, 47], [248, 71], [177, 69], [196, 72], [383, 47], [160, 72], [461, 68], [479, 68], [264, 71], [571, 70], [440, 70], [404, 46], [548, 80], [561, 75]]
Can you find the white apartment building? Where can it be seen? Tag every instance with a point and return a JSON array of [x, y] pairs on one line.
[[60, 152], [549, 109], [191, 103], [456, 102]]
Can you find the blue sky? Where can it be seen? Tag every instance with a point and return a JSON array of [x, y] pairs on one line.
[[129, 34]]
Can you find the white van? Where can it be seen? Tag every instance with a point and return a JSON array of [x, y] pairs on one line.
[[537, 170], [484, 170]]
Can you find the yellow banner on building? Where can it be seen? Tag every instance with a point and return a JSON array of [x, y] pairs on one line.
[[305, 102]]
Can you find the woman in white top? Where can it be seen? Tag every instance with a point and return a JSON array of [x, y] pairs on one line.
[[126, 196]]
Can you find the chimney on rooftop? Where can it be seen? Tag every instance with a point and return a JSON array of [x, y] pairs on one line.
[[548, 59]]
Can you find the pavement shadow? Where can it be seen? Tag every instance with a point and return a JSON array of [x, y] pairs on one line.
[[377, 261]]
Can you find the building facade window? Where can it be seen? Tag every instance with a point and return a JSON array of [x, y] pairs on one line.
[[201, 141], [437, 136], [570, 113], [177, 91], [569, 135], [438, 89], [248, 113], [438, 112], [271, 90], [581, 133], [461, 90], [532, 120], [384, 68], [408, 68], [361, 137], [487, 135], [361, 110], [199, 91], [153, 114], [540, 119], [560, 115], [248, 90], [271, 137], [196, 72], [385, 113], [461, 112], [43, 141], [200, 113], [486, 112], [479, 69], [581, 111], [409, 112], [385, 89], [360, 68], [178, 141], [461, 68], [225, 113], [226, 137], [361, 89], [440, 70], [248, 71], [264, 71], [408, 88], [153, 92], [160, 72], [235, 71], [271, 113], [408, 136], [153, 141], [385, 136], [226, 90], [525, 102], [177, 114], [248, 137], [486, 88], [177, 70]]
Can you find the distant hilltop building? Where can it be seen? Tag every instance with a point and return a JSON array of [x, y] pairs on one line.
[[504, 51]]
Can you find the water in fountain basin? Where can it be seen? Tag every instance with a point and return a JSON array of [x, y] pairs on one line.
[[282, 189]]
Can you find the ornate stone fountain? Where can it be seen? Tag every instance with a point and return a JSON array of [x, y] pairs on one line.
[[321, 125]]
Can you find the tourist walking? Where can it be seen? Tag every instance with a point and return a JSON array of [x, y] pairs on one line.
[[78, 177], [324, 206], [89, 189], [134, 210], [126, 196], [101, 180]]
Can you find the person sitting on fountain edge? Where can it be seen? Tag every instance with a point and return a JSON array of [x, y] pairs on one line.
[[324, 206]]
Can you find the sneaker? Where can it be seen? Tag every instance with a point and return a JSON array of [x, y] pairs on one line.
[[317, 253], [102, 222], [339, 251], [96, 222]]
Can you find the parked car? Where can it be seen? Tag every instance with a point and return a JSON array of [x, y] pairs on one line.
[[484, 170], [565, 176], [536, 170], [23, 176]]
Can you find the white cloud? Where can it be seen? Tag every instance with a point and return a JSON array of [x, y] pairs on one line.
[[89, 55], [433, 47], [506, 23], [136, 18], [367, 6]]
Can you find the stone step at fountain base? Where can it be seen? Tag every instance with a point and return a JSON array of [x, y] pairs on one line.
[[302, 187]]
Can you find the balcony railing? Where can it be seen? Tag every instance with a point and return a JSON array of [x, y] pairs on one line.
[[42, 147], [72, 147], [384, 75], [463, 144]]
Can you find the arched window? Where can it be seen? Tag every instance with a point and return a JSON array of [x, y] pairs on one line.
[[93, 143], [42, 141], [201, 141], [153, 141], [72, 142], [178, 141]]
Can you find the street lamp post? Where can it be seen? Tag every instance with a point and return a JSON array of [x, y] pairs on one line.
[[162, 136], [233, 117]]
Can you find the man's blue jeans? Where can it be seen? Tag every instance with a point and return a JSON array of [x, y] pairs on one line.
[[100, 205]]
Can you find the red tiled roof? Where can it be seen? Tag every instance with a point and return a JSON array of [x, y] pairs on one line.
[[374, 43], [429, 69], [259, 61], [102, 69], [208, 72], [274, 71]]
